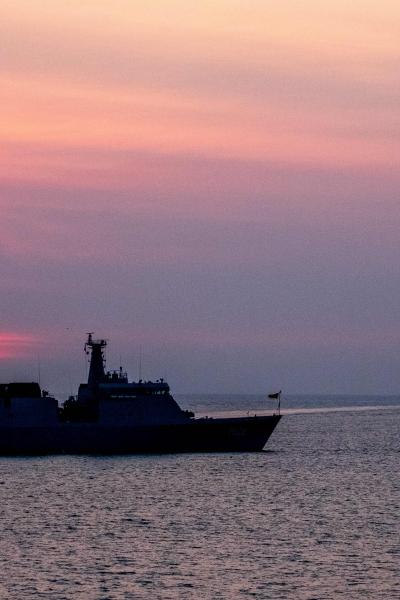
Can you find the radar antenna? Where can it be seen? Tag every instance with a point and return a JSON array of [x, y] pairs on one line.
[[94, 348]]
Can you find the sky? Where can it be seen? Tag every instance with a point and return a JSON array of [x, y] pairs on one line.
[[211, 185]]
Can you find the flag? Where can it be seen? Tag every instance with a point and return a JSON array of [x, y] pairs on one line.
[[274, 396]]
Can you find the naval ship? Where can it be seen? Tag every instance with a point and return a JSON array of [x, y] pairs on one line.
[[112, 415]]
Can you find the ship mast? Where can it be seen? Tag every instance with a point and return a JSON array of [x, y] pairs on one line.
[[97, 360]]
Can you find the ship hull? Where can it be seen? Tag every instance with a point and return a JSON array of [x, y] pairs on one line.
[[247, 434]]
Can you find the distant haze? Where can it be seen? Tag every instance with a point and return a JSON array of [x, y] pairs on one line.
[[214, 185]]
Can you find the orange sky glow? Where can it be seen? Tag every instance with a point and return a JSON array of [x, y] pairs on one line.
[[287, 82], [203, 170], [13, 345]]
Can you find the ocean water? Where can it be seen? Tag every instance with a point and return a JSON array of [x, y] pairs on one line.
[[314, 517]]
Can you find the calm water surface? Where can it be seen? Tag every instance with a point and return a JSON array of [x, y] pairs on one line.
[[315, 517]]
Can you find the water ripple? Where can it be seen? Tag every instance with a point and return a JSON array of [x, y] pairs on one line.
[[315, 518]]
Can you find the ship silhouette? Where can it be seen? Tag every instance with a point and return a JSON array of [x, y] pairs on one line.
[[111, 415]]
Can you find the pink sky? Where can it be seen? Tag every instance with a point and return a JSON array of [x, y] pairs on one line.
[[216, 181]]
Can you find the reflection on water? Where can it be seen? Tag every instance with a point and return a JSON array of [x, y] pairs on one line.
[[294, 411], [315, 518]]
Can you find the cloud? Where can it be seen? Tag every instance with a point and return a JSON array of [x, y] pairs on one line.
[[14, 345], [83, 83]]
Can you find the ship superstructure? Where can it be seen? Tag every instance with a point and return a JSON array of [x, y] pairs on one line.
[[108, 396], [25, 405]]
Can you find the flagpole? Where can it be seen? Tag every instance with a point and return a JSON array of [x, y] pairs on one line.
[[277, 396]]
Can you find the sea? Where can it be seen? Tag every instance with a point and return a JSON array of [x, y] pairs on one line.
[[313, 517]]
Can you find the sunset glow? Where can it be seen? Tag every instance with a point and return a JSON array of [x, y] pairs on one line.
[[13, 345], [255, 82], [216, 170]]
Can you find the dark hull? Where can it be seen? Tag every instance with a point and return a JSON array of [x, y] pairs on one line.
[[248, 434]]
